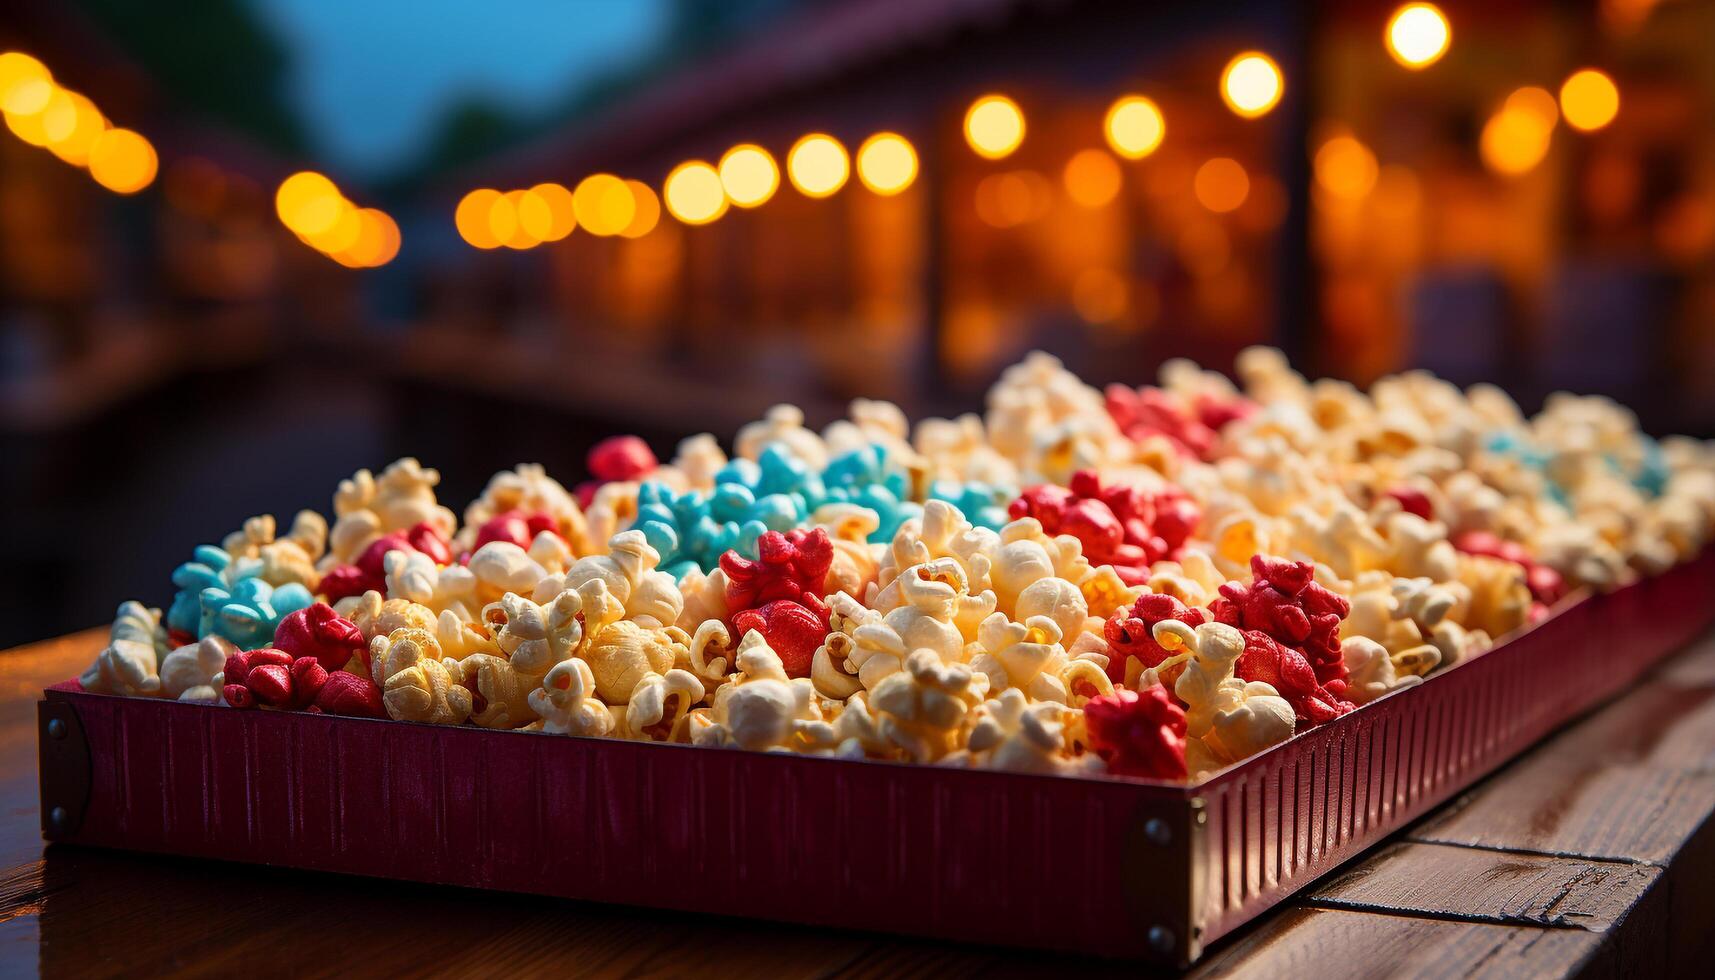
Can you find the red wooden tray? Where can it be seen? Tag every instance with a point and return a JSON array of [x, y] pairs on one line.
[[1112, 867]]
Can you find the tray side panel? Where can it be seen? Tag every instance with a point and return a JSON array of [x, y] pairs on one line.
[[1306, 807], [976, 856]]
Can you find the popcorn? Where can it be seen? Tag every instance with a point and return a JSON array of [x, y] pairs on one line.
[[130, 663], [660, 707], [1138, 733], [895, 597], [1115, 525], [621, 652], [1027, 656], [783, 426], [566, 702], [1131, 638], [779, 595], [287, 560], [377, 616], [1284, 602], [218, 595], [368, 507], [1227, 717], [323, 635], [415, 684], [924, 708], [188, 672], [1374, 670], [1013, 734], [526, 489], [762, 708], [368, 572]]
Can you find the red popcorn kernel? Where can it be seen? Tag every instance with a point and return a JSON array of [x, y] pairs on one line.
[[271, 678], [1413, 501], [1149, 411], [620, 458], [1117, 525], [790, 566], [1546, 585], [793, 630], [367, 573], [1285, 602], [615, 459], [780, 594], [515, 527], [1138, 734], [322, 634], [346, 693], [1129, 633], [1291, 675]]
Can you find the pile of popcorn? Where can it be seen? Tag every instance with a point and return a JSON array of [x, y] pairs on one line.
[[1155, 582]]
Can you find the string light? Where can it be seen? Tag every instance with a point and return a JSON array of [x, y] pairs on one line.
[[994, 126], [1418, 35], [312, 208], [886, 163], [646, 213], [693, 193], [1589, 100], [603, 204], [562, 211], [471, 218], [749, 176], [818, 165], [1134, 127], [1252, 84], [122, 161]]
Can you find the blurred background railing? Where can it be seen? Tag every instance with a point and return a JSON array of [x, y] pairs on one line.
[[1508, 190]]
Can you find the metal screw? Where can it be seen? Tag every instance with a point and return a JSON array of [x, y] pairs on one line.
[[56, 728], [60, 819], [1158, 832], [1161, 939]]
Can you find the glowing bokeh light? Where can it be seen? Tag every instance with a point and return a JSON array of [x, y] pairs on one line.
[[1517, 137], [74, 144], [471, 218], [28, 78], [122, 161], [1346, 168], [1418, 35], [994, 126], [749, 175], [1134, 127], [1092, 178], [694, 194], [886, 163], [562, 211], [1221, 184], [1252, 84], [1589, 100], [818, 165], [1100, 295], [507, 221], [646, 213], [603, 204]]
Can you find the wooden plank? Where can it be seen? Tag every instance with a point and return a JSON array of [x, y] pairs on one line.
[[1336, 944], [1631, 783], [1488, 886]]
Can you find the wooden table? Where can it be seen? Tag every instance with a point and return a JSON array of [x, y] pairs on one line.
[[1591, 854]]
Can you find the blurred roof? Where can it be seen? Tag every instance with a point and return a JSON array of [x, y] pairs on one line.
[[809, 46]]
